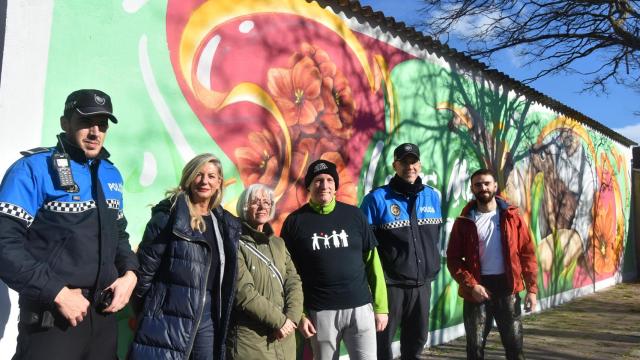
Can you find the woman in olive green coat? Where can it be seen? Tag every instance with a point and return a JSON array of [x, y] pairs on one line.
[[268, 303]]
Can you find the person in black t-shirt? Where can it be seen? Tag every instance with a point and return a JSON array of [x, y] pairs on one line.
[[334, 250]]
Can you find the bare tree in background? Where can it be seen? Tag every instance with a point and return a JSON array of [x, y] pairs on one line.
[[555, 36]]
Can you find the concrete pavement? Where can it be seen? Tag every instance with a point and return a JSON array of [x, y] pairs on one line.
[[603, 325]]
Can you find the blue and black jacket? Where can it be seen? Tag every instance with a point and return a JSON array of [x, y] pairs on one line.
[[175, 262], [406, 220], [51, 238]]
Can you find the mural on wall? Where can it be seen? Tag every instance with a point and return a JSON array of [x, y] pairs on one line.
[[290, 84], [269, 86], [559, 173]]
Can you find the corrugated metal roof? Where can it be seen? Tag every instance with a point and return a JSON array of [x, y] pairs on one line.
[[353, 8]]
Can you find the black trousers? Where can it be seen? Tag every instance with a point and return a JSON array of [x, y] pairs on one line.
[[505, 309], [94, 338], [409, 309]]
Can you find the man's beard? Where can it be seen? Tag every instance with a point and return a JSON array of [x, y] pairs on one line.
[[481, 198]]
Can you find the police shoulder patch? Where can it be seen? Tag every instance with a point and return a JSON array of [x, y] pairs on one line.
[[37, 150]]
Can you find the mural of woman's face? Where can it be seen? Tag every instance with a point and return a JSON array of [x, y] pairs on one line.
[[484, 188]]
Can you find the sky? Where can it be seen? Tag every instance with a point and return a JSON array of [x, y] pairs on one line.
[[614, 109]]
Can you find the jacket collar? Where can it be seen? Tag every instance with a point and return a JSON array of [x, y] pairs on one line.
[[182, 220], [401, 186], [323, 209], [75, 153], [258, 236]]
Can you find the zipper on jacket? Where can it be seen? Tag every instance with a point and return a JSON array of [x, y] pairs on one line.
[[413, 224], [506, 251], [204, 294]]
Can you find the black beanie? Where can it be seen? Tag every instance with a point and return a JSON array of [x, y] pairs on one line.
[[321, 167]]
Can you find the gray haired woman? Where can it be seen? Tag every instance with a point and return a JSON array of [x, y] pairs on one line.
[[268, 303]]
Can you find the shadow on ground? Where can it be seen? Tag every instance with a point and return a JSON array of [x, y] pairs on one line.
[[603, 325]]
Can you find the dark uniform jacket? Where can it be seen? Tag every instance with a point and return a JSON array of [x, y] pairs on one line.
[[51, 238], [408, 232]]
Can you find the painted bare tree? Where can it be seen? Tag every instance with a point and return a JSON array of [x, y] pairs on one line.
[[488, 141]]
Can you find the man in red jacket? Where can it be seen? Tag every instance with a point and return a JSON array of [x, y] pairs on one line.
[[491, 256]]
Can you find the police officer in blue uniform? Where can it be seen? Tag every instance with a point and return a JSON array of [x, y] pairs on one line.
[[406, 218], [63, 243]]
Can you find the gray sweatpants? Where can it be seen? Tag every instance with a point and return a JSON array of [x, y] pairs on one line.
[[356, 326]]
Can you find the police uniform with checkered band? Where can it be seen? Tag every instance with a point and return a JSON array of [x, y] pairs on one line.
[[407, 259], [408, 232], [52, 238]]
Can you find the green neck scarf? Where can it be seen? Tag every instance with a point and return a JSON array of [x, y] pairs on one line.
[[323, 209]]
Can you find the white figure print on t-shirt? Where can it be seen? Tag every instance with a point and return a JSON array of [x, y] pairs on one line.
[[315, 245], [343, 237], [336, 239], [326, 242]]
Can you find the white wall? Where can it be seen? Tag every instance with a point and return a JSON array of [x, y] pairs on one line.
[[24, 66]]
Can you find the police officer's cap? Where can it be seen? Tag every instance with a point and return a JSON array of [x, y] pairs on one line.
[[89, 102], [406, 149]]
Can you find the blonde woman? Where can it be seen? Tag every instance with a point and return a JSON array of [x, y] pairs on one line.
[[187, 273], [268, 304]]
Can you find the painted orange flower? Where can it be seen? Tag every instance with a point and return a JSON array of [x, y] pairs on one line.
[[319, 57], [337, 97], [339, 106], [296, 91], [260, 163], [318, 107]]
